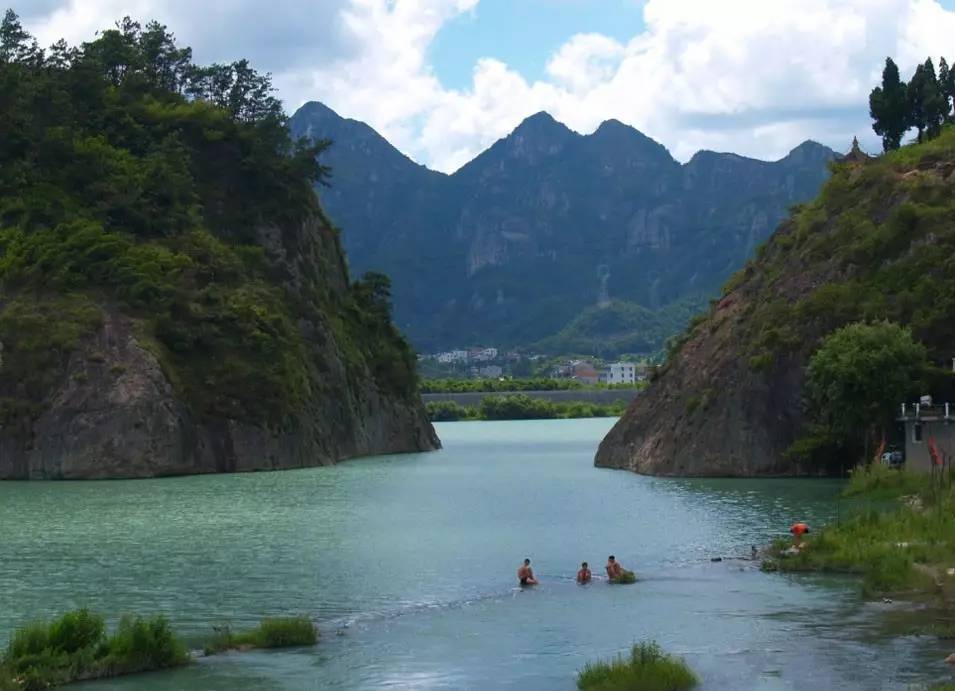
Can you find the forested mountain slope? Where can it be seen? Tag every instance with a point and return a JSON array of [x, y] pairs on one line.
[[877, 245], [172, 298]]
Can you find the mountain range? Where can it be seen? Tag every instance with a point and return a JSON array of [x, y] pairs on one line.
[[547, 236]]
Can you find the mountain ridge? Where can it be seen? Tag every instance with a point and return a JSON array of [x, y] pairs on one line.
[[512, 246]]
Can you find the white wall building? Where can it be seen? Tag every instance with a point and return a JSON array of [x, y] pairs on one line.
[[622, 373], [453, 356]]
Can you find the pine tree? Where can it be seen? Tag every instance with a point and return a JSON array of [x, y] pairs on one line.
[[16, 45], [946, 83], [888, 107], [925, 104], [934, 102]]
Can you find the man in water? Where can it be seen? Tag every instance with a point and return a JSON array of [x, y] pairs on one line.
[[584, 575], [525, 574], [613, 568]]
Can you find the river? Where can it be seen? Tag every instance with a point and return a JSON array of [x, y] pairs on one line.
[[407, 564]]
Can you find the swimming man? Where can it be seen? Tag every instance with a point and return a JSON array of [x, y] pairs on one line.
[[584, 575], [614, 570], [525, 574]]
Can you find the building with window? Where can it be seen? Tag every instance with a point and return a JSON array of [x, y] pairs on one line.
[[929, 434], [622, 373]]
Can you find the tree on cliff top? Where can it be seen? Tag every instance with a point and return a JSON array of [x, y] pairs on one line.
[[887, 107], [131, 176], [858, 376]]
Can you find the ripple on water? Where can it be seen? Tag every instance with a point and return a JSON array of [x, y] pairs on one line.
[[413, 559]]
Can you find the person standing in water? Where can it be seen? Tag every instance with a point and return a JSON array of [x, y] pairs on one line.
[[613, 568], [584, 575], [525, 574]]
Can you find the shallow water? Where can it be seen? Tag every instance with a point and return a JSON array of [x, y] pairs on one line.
[[411, 560]]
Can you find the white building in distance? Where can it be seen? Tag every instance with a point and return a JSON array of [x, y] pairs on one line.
[[622, 373]]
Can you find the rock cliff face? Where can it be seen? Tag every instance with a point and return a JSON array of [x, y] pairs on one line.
[[875, 245], [173, 298], [112, 411], [516, 244]]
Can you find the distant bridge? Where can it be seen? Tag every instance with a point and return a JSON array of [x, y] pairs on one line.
[[603, 396]]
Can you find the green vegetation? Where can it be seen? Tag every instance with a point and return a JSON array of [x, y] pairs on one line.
[[521, 407], [924, 103], [647, 668], [900, 541], [622, 327], [132, 179], [270, 633], [626, 578], [76, 646], [855, 380], [516, 384], [481, 385], [875, 246]]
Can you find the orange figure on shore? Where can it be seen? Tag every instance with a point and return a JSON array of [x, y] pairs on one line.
[[798, 530]]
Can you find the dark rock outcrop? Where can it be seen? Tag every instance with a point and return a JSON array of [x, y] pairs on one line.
[[114, 413]]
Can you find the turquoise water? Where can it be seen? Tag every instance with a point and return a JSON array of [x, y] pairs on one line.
[[407, 565]]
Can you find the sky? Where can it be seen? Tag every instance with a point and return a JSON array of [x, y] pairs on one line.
[[443, 79]]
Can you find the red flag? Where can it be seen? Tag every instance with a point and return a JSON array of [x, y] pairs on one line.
[[933, 450], [879, 451]]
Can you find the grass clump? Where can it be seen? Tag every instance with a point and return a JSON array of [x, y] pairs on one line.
[[877, 481], [647, 668], [626, 576], [280, 632], [76, 647]]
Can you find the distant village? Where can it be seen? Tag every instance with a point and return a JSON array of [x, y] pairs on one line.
[[491, 363]]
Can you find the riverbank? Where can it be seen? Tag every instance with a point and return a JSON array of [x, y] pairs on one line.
[[900, 539], [520, 406]]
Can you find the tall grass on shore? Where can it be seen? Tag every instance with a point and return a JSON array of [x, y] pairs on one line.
[[647, 668], [270, 633], [76, 647], [903, 544]]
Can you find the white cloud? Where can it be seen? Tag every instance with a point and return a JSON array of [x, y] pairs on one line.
[[752, 76]]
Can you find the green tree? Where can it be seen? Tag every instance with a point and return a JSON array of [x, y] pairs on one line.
[[16, 45], [888, 107], [373, 292], [925, 103], [858, 376], [946, 84]]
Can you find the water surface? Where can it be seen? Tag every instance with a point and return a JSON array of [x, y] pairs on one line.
[[407, 564]]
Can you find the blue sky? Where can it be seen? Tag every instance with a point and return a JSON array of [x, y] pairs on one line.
[[524, 33]]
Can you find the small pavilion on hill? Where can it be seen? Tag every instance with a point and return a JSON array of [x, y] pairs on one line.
[[856, 154]]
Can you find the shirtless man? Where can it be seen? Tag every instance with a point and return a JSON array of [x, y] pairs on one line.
[[525, 574], [613, 568], [584, 575]]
